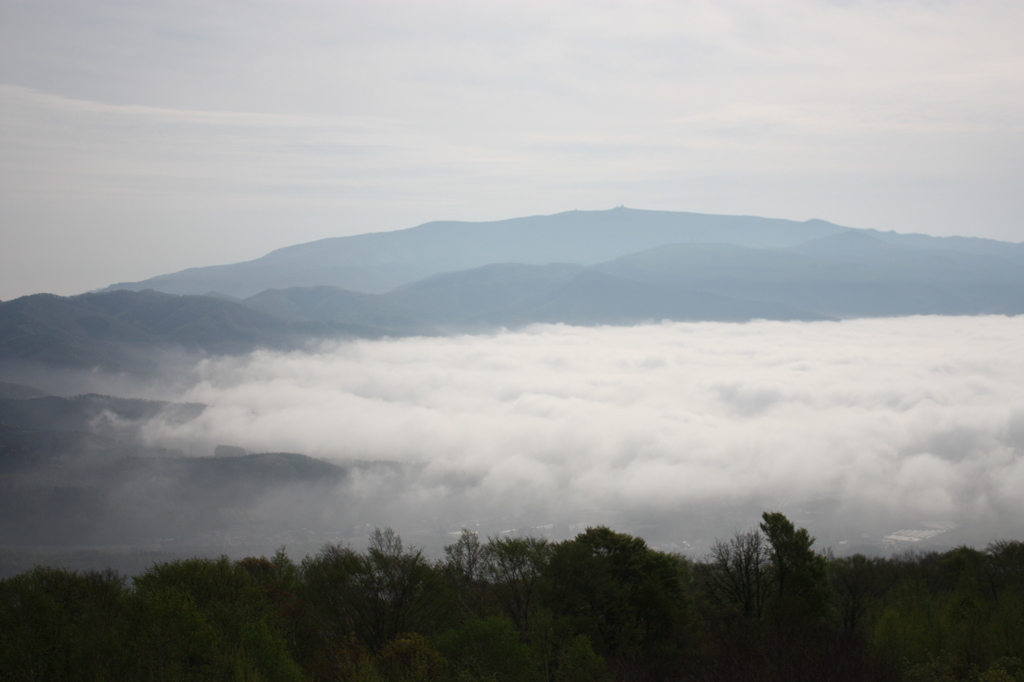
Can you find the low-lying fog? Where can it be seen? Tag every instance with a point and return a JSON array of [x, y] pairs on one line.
[[678, 432]]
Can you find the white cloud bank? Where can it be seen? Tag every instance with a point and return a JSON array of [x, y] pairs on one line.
[[916, 420]]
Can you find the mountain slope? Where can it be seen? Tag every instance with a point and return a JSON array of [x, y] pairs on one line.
[[595, 297], [498, 294], [513, 295], [104, 329], [852, 274], [381, 261], [321, 303], [91, 412]]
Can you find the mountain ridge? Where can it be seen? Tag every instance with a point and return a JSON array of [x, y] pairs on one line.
[[758, 269], [377, 262]]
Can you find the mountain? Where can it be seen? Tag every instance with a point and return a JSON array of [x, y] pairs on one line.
[[88, 412], [77, 488], [850, 274], [381, 261], [105, 329], [10, 390], [604, 267], [323, 303], [499, 294], [512, 295], [975, 245], [75, 471], [120, 330]]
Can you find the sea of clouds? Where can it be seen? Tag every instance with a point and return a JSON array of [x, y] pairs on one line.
[[866, 425]]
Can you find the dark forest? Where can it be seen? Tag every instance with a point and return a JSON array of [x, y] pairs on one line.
[[762, 605]]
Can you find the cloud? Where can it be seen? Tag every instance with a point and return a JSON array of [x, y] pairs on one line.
[[893, 421]]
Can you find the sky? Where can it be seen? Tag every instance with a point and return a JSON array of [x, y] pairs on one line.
[[888, 424], [139, 138]]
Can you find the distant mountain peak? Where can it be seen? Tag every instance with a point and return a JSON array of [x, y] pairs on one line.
[[377, 262]]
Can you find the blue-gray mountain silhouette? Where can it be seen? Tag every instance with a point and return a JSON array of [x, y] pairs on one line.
[[601, 267]]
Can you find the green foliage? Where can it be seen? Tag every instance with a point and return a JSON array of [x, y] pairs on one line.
[[957, 615], [207, 619], [1005, 566], [599, 607], [409, 658], [579, 663], [801, 593], [187, 620], [377, 596], [856, 583], [514, 566], [488, 649], [56, 624], [630, 601], [278, 580], [465, 567]]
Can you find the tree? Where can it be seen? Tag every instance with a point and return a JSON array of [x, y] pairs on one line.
[[465, 567], [205, 618], [489, 649], [378, 596], [629, 600], [278, 578], [57, 624], [798, 604], [1005, 566], [855, 584], [514, 567], [738, 573], [800, 575]]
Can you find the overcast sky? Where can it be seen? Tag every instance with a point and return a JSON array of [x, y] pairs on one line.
[[138, 138]]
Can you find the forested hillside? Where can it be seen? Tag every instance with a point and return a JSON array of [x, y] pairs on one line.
[[764, 605], [76, 472]]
